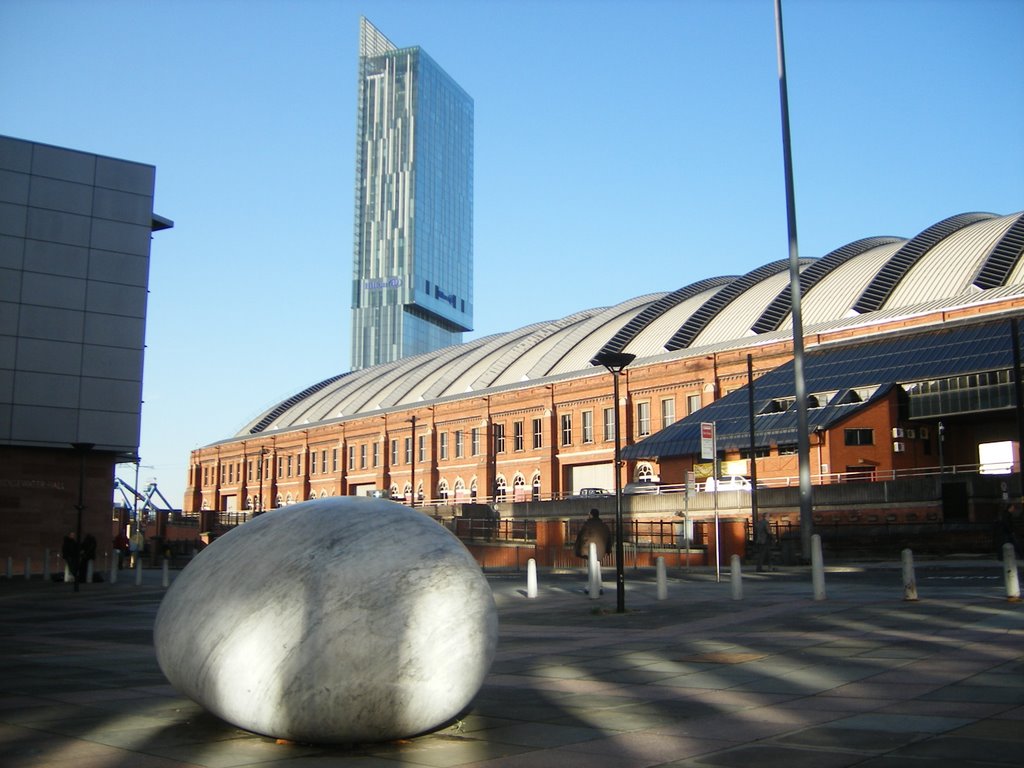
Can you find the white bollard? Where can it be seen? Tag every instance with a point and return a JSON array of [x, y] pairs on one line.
[[88, 571], [662, 579], [115, 565], [46, 564], [1010, 573], [909, 582], [167, 573], [736, 577], [594, 572], [817, 568], [138, 571], [28, 568], [531, 578]]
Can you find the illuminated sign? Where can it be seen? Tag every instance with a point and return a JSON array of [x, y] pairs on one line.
[[380, 283]]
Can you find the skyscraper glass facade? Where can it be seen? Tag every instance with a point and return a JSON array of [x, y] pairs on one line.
[[412, 287]]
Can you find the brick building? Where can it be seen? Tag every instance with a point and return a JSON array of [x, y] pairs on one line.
[[526, 415]]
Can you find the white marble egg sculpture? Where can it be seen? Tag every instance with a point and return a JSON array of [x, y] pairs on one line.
[[342, 620]]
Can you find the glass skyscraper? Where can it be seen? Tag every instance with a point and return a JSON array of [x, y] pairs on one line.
[[412, 287]]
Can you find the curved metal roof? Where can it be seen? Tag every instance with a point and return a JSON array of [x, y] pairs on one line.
[[957, 260], [878, 291]]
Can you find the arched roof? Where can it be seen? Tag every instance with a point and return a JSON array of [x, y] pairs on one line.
[[954, 261]]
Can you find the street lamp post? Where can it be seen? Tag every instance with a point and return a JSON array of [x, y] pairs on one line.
[[82, 449], [616, 363], [412, 468], [942, 456], [259, 474]]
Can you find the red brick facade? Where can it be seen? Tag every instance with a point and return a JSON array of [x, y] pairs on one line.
[[39, 493], [517, 444]]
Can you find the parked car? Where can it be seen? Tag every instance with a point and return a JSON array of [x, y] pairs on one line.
[[728, 483], [591, 493]]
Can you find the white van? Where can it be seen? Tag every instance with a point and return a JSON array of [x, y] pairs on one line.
[[728, 483], [642, 486]]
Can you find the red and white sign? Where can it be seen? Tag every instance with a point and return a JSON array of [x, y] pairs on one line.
[[707, 440]]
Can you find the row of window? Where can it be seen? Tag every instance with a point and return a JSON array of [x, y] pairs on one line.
[[288, 465], [453, 444], [520, 490]]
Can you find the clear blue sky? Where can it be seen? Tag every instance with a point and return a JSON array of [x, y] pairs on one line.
[[621, 148]]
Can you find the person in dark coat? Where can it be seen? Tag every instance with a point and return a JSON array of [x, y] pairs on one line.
[[69, 554], [594, 531], [763, 542], [86, 556], [1004, 531]]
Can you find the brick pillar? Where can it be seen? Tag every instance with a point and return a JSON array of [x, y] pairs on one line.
[[550, 541], [734, 541]]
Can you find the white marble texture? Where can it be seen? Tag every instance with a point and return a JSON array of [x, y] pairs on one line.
[[340, 620]]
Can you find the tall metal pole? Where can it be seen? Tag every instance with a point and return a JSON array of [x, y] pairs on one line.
[[753, 443], [412, 470], [259, 475], [620, 572], [1018, 392], [82, 449], [616, 363], [799, 385]]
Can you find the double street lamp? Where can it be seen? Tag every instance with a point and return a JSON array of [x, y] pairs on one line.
[[616, 363]]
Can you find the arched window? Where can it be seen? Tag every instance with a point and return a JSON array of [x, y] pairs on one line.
[[472, 489], [644, 473], [442, 490], [407, 492], [278, 501], [500, 487], [394, 491], [535, 484], [519, 489]]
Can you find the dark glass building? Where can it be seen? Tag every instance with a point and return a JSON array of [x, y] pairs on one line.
[[412, 283]]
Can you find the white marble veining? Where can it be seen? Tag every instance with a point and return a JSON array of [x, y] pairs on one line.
[[333, 621]]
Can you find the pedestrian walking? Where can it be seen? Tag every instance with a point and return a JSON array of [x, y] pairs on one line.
[[763, 542], [86, 555], [595, 532], [69, 552]]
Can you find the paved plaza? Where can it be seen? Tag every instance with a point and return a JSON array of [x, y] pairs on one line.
[[698, 679]]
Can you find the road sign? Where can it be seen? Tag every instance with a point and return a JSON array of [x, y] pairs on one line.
[[707, 440]]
